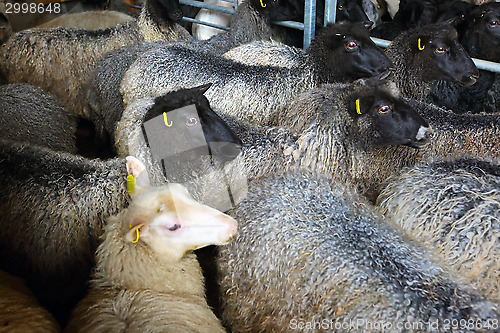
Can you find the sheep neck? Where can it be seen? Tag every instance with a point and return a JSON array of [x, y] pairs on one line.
[[408, 73], [125, 265]]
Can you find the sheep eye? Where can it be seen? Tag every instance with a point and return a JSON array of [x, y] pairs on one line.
[[340, 7], [162, 208], [351, 46], [493, 24], [440, 50], [175, 227], [191, 121], [384, 109]]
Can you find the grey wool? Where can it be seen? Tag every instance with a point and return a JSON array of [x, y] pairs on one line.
[[59, 60], [30, 115], [261, 91], [19, 309], [452, 207], [327, 140], [418, 63], [312, 253], [54, 208]]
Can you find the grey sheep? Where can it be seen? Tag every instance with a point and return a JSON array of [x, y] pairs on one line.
[[426, 54], [313, 256], [415, 70], [260, 91], [90, 20], [54, 208], [19, 309], [59, 60], [454, 208], [314, 117], [146, 278], [30, 115]]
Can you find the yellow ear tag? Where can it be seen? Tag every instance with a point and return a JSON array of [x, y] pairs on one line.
[[262, 4], [130, 184], [137, 234], [421, 48], [165, 120], [358, 110]]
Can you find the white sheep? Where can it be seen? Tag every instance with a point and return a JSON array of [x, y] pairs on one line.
[[147, 279]]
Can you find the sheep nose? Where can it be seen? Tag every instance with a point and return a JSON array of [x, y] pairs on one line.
[[424, 135], [176, 15]]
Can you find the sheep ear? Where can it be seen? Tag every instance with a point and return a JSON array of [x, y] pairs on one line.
[[135, 232], [137, 178], [202, 89]]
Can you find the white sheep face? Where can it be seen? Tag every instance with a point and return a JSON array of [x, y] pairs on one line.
[[172, 223]]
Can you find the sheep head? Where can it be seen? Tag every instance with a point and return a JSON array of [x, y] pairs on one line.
[[383, 119], [5, 28], [348, 44], [274, 10], [439, 56], [169, 221], [482, 35]]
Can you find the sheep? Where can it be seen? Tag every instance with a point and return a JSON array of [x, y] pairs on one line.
[[145, 278], [54, 205], [329, 141], [315, 256], [426, 54], [130, 132], [482, 40], [19, 310], [260, 91], [30, 115], [452, 207], [32, 55], [90, 20]]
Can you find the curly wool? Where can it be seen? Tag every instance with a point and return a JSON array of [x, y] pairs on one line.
[[54, 208], [19, 309], [30, 115], [59, 60], [308, 250], [453, 207]]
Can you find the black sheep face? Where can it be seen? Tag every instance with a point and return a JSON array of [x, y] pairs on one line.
[[351, 11], [345, 52], [169, 10], [384, 120], [440, 56], [482, 36], [196, 127], [454, 12], [416, 13], [274, 10]]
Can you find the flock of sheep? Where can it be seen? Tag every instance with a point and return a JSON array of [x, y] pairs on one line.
[[364, 184]]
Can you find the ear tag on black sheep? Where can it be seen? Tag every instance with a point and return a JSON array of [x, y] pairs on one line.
[[263, 4], [421, 48], [166, 120], [358, 109]]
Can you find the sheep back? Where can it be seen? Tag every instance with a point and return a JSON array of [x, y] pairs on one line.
[[59, 60], [54, 207], [19, 309], [453, 207], [309, 251], [33, 116]]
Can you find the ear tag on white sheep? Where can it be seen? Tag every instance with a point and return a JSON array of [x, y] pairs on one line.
[[136, 233], [420, 47], [358, 109], [263, 4], [130, 184]]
